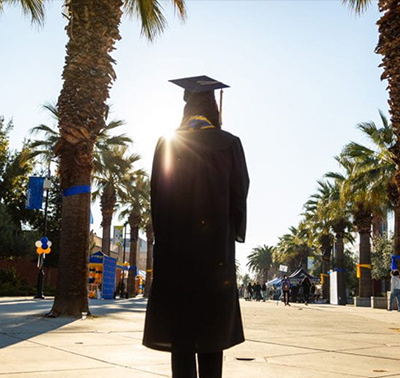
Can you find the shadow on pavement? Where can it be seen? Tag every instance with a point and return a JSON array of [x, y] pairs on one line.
[[21, 319]]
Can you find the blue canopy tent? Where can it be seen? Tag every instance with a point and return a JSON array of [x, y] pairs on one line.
[[275, 282]]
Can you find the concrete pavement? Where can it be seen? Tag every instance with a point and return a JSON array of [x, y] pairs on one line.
[[299, 341]]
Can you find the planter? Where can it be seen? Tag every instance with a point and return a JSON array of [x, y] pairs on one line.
[[379, 302], [362, 302]]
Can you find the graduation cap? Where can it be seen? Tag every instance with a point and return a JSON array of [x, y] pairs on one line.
[[200, 84]]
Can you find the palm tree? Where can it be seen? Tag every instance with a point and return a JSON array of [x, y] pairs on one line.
[[31, 8], [389, 47], [136, 199], [112, 170], [44, 147], [88, 74], [364, 201], [318, 228], [260, 261], [327, 212], [376, 166], [293, 248]]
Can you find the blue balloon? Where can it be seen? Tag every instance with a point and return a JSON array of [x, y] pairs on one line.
[[44, 240], [45, 246]]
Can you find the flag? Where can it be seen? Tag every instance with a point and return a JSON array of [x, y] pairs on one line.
[[34, 196]]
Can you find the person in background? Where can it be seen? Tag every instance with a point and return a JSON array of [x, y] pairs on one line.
[[394, 290], [250, 291], [312, 291], [264, 291], [257, 291], [199, 188], [306, 284], [286, 290]]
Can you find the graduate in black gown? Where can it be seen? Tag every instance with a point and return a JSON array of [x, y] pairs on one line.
[[199, 187]]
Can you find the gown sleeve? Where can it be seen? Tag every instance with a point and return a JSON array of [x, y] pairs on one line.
[[239, 186]]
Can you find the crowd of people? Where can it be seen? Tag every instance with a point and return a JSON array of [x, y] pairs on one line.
[[303, 292]]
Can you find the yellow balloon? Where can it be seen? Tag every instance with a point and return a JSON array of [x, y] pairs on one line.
[[47, 250], [39, 250]]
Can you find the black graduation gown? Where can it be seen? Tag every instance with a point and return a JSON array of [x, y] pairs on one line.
[[199, 187]]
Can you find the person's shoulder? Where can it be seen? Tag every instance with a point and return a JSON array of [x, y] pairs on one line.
[[228, 135]]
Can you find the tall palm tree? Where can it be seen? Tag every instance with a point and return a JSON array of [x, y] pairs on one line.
[[93, 30], [389, 47], [326, 208], [320, 227], [112, 169], [364, 201], [136, 200], [260, 261], [377, 167], [31, 8]]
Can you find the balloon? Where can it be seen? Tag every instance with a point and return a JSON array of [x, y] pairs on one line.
[[39, 250], [38, 244], [47, 250], [45, 246], [44, 239], [49, 243]]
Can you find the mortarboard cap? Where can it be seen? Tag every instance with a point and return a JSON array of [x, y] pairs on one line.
[[199, 84]]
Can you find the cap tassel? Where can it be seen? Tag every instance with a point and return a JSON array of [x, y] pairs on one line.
[[220, 106]]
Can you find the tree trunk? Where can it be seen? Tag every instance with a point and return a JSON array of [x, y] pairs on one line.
[[88, 75], [326, 245], [389, 48], [107, 203], [134, 222], [149, 259], [397, 230], [363, 222], [377, 226], [365, 283], [394, 197], [341, 276]]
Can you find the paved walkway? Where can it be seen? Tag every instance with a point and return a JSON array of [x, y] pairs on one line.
[[318, 341]]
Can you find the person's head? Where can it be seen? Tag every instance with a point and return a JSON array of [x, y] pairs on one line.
[[201, 104], [200, 98], [284, 276], [396, 273]]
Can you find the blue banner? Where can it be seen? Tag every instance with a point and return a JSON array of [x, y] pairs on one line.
[[109, 265], [34, 196], [394, 261]]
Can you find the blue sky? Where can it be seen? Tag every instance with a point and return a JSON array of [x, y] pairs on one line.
[[302, 75]]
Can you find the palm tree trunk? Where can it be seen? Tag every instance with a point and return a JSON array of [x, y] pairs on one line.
[[342, 300], [389, 47], [107, 203], [149, 259], [363, 222], [106, 239], [134, 221], [326, 245], [397, 229], [365, 283], [88, 75]]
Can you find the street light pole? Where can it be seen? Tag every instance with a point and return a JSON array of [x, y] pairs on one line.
[[39, 287]]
